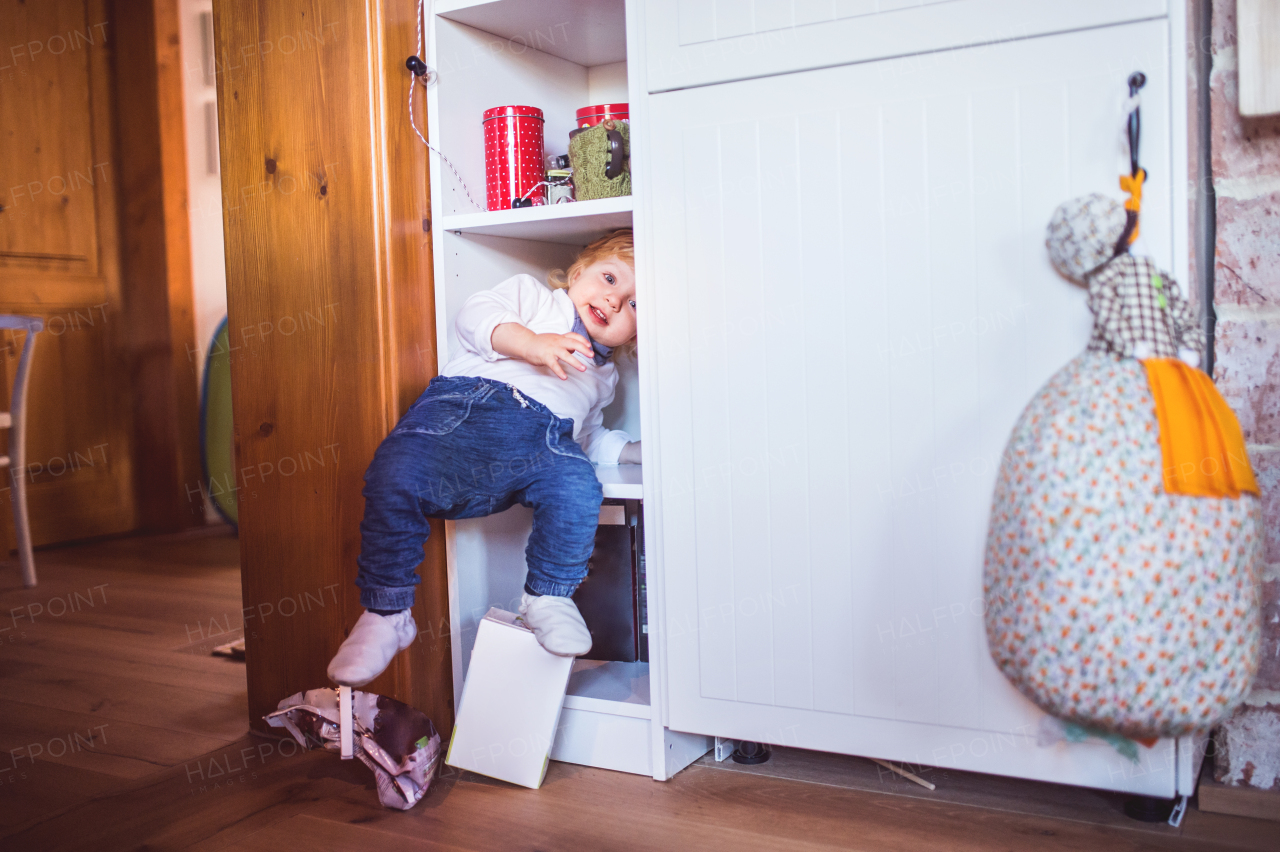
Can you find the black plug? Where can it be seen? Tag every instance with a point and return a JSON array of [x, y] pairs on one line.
[[416, 65]]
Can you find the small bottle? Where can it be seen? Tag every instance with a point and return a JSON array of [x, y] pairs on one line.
[[559, 186]]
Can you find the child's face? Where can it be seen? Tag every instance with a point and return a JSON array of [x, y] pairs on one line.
[[604, 294]]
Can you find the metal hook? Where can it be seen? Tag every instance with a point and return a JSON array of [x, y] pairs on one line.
[[1136, 81]]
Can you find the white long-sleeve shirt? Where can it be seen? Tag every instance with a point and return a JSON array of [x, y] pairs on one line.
[[526, 300]]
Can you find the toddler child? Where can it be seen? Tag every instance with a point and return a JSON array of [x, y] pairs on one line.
[[514, 417]]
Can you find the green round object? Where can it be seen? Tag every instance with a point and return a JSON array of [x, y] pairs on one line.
[[217, 439]]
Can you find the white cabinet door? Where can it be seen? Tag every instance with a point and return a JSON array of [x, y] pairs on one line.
[[695, 42], [852, 304]]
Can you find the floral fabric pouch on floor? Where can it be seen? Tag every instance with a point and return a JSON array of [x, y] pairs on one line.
[[396, 741]]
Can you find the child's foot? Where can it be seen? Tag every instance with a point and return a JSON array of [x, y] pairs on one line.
[[373, 642], [557, 624]]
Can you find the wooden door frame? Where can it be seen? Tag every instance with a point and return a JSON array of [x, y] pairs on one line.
[[328, 249], [155, 260]]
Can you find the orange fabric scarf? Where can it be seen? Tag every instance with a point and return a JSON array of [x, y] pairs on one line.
[[1200, 439]]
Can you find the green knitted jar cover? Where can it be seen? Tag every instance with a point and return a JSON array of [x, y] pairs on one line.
[[589, 155]]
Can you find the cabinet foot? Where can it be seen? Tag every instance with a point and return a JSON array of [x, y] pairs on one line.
[[751, 753], [1148, 809]]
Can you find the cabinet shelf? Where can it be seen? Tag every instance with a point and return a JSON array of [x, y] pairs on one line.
[[576, 224], [607, 718], [617, 689], [588, 32], [621, 482]]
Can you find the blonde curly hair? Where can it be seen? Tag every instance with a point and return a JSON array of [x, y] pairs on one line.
[[619, 244]]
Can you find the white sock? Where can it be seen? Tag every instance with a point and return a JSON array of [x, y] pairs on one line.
[[557, 624], [372, 644]]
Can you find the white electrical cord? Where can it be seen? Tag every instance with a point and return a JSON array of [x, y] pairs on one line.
[[534, 189], [426, 79]]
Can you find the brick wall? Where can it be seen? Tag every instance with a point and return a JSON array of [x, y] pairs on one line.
[[1246, 180]]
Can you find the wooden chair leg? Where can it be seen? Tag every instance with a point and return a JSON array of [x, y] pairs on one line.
[[21, 528], [18, 456]]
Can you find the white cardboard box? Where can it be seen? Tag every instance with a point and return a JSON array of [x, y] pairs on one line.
[[510, 704]]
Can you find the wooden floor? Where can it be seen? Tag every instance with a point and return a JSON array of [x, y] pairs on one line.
[[119, 731]]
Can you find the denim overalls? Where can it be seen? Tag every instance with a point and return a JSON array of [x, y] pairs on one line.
[[471, 447]]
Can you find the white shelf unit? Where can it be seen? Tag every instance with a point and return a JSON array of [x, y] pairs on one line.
[[806, 587], [569, 224], [558, 55]]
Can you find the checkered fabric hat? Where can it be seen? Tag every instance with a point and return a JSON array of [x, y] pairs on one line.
[[1083, 234]]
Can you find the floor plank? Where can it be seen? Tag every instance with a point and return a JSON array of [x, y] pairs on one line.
[[104, 696], [177, 668], [38, 793], [96, 642], [308, 832], [122, 749], [219, 798]]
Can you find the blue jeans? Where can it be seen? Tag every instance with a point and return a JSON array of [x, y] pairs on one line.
[[471, 447]]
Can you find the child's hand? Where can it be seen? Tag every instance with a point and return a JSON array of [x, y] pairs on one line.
[[548, 350], [630, 453]]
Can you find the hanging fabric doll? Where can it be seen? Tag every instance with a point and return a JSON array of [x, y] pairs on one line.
[[1126, 527]]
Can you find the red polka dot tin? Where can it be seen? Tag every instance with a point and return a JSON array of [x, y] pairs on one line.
[[513, 163], [590, 116]]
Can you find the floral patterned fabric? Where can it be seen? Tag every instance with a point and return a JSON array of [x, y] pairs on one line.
[[1083, 233], [1110, 602]]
